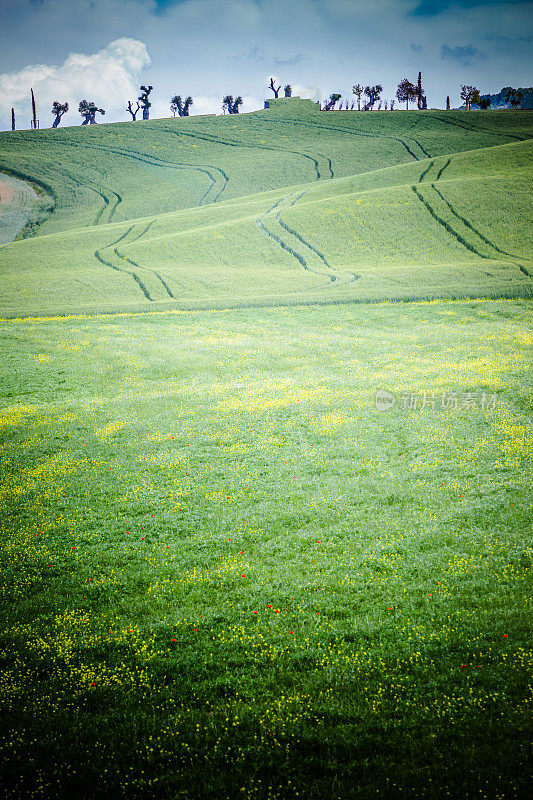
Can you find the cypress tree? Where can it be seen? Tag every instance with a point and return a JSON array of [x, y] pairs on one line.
[[34, 111]]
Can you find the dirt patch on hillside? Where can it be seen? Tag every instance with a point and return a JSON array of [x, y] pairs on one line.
[[7, 193], [19, 208]]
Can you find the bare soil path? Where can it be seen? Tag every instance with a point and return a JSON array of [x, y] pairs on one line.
[[17, 200]]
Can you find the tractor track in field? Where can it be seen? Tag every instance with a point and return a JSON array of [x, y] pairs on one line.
[[332, 277], [155, 161], [151, 161], [102, 191], [155, 285], [213, 139], [474, 129], [353, 132], [462, 219]]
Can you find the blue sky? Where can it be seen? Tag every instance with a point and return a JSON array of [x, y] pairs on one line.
[[103, 49]]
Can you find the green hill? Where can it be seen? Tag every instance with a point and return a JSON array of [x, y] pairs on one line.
[[286, 205], [279, 552]]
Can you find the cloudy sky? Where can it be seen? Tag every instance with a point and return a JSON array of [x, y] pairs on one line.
[[102, 50]]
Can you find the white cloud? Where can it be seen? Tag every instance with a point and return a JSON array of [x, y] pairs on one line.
[[208, 48], [312, 92], [108, 77]]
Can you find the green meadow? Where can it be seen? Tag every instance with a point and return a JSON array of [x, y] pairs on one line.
[[226, 571]]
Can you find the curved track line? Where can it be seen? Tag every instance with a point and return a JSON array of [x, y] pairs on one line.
[[207, 137], [478, 233], [441, 170], [155, 161], [465, 222], [473, 129], [351, 131], [94, 188], [445, 225], [98, 255], [331, 278], [423, 175]]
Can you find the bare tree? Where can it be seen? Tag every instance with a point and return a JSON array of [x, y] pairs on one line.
[[357, 90], [230, 104], [392, 105], [330, 104], [227, 103], [237, 102], [133, 111], [271, 86]]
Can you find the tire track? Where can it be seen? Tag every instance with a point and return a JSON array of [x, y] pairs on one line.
[[468, 225], [473, 129], [97, 190], [351, 131], [446, 225], [145, 290], [478, 233], [207, 137], [441, 170], [423, 175], [331, 278], [155, 161], [419, 145]]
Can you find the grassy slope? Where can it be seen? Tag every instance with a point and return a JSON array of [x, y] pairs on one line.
[[172, 482], [311, 241], [167, 476]]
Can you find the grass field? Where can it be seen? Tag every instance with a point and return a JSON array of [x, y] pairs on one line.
[[225, 572], [283, 206]]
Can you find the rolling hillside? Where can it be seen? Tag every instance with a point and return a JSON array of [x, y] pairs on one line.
[[280, 206], [228, 570]]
